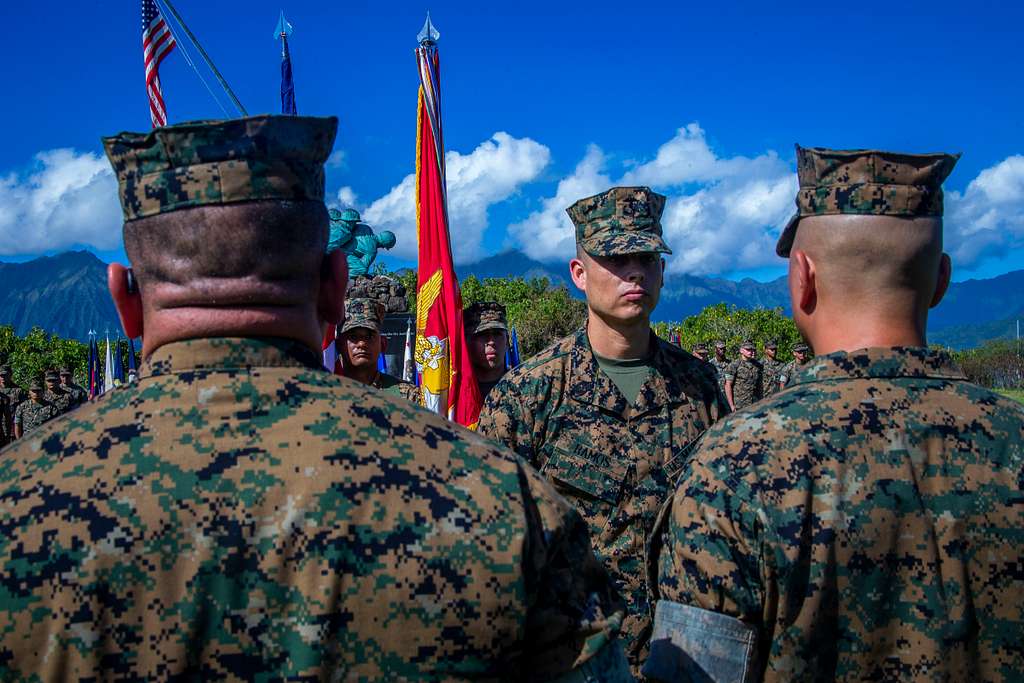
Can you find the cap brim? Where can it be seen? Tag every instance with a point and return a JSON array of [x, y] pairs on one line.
[[351, 325], [785, 242], [625, 243], [483, 327]]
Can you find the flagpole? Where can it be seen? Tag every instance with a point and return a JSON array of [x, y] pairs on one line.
[[206, 57]]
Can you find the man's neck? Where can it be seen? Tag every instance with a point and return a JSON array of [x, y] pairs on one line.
[[366, 374], [850, 331], [488, 375], [617, 341]]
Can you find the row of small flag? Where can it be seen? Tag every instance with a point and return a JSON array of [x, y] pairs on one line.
[[99, 381]]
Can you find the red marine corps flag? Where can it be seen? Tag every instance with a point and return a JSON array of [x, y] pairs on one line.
[[448, 386], [157, 41]]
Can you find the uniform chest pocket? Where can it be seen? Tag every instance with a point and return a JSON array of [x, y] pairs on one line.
[[587, 471]]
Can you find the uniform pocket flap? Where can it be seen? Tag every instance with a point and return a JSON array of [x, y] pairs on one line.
[[603, 480]]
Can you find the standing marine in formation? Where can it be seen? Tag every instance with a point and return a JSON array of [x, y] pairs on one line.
[[771, 367], [801, 354], [239, 511], [14, 396], [744, 378], [720, 363], [487, 340], [864, 523], [361, 344], [701, 351], [67, 383], [609, 413], [34, 412]]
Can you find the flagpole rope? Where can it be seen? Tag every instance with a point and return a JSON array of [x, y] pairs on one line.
[[188, 60]]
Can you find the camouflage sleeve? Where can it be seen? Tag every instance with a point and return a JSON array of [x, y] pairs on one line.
[[713, 552], [506, 418], [410, 392], [730, 370], [17, 416], [574, 612]]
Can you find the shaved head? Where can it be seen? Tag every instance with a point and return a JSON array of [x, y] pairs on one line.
[[873, 260]]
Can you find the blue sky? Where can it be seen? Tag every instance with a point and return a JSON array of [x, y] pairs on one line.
[[545, 103]]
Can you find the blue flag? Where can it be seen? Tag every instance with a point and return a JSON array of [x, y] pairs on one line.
[[131, 355], [382, 363], [284, 29], [118, 363], [513, 350]]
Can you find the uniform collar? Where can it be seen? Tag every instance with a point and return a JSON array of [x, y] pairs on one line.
[[221, 353], [589, 384], [879, 362]]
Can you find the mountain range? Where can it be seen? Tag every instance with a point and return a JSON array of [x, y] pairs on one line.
[[67, 295]]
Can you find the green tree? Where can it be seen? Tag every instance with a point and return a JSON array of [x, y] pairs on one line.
[[735, 325]]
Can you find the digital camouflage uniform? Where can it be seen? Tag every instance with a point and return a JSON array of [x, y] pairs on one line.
[[58, 396], [369, 313], [747, 381], [15, 396], [614, 457], [720, 367], [240, 512], [792, 367], [31, 414], [78, 393], [865, 524], [862, 524], [771, 368]]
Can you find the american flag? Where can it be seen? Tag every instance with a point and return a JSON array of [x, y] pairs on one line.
[[157, 41]]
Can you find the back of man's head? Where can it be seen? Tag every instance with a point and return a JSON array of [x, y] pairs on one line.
[[225, 227], [865, 246]]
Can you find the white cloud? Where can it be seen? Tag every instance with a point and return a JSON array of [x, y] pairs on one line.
[[346, 198], [723, 213], [68, 198], [548, 234], [489, 174], [337, 159], [988, 218]]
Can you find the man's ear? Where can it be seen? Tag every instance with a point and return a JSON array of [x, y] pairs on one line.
[[942, 284], [578, 273], [804, 287], [127, 299], [330, 301]]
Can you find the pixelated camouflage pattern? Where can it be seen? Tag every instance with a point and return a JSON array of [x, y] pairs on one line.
[[771, 369], [78, 393], [397, 387], [32, 414], [363, 312], [622, 220], [866, 182], [483, 316], [615, 461], [790, 369], [240, 512], [867, 520], [747, 381], [201, 163], [14, 397], [60, 398], [720, 367]]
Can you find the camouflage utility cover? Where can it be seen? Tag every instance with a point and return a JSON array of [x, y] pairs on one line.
[[239, 511], [622, 220], [367, 313], [203, 163], [483, 316], [866, 182], [867, 522], [747, 381], [613, 458]]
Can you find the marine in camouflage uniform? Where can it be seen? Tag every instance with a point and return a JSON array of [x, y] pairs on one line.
[[238, 511], [34, 412], [771, 367], [743, 378], [56, 394], [78, 393], [615, 457], [720, 363], [14, 396], [864, 523], [801, 356], [486, 328], [364, 318]]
